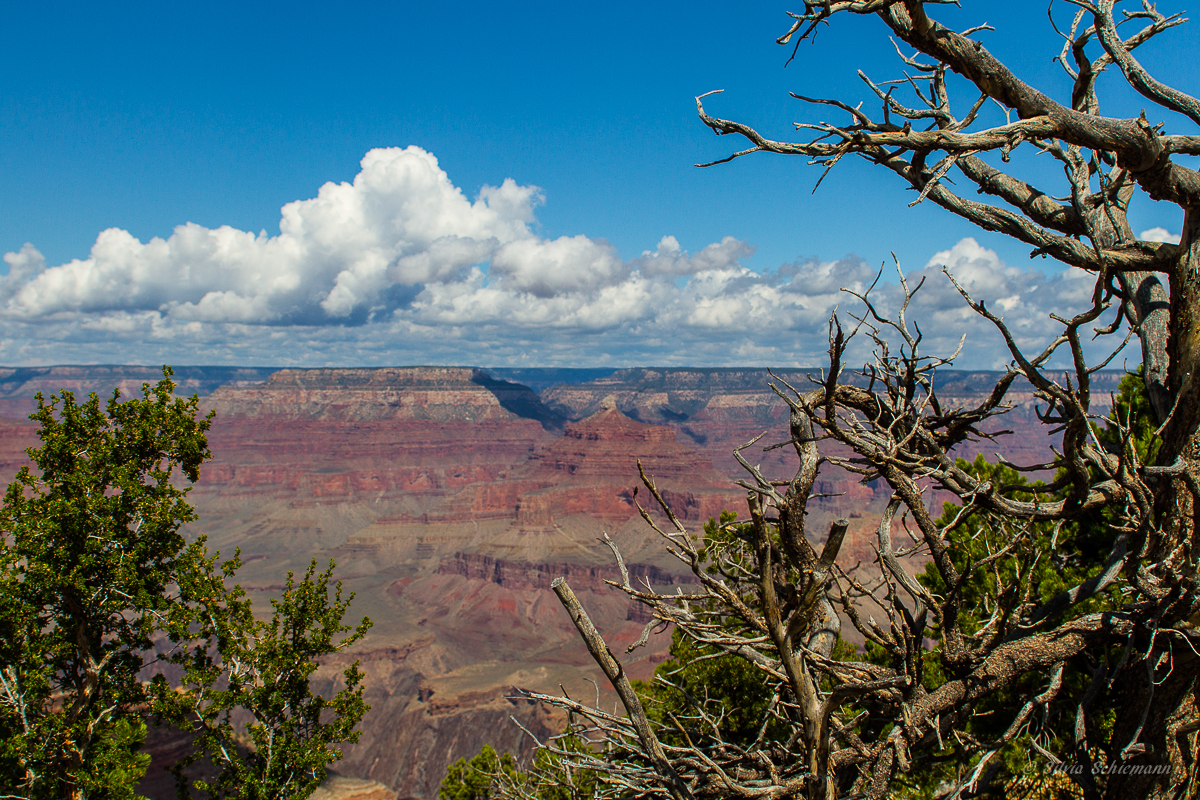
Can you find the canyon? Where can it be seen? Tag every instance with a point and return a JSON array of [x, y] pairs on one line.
[[450, 498]]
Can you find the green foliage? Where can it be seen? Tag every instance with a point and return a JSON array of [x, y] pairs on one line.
[[99, 589], [727, 688], [549, 777], [1132, 409], [264, 672], [90, 549], [1048, 559], [699, 678], [117, 765], [474, 779]]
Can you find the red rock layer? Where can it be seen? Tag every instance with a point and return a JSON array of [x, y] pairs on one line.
[[323, 458], [529, 575], [591, 469], [443, 394]]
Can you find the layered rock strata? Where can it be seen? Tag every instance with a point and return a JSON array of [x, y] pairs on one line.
[[717, 410], [442, 394], [411, 435], [592, 469], [18, 385], [675, 395], [449, 501]]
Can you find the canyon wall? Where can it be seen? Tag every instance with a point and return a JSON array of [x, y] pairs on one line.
[[451, 499], [443, 394], [717, 410], [18, 385]]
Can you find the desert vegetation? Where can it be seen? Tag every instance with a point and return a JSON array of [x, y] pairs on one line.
[[1048, 624], [111, 621]]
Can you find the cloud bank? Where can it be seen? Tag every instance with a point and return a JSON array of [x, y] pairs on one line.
[[399, 266]]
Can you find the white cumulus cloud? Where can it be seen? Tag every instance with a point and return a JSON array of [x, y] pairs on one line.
[[400, 266], [1158, 234], [401, 221], [568, 263], [1024, 299], [670, 259]]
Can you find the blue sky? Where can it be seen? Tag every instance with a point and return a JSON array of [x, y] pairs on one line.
[[136, 118]]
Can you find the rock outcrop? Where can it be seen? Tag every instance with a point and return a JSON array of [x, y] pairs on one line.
[[671, 395], [530, 575], [337, 787], [439, 394]]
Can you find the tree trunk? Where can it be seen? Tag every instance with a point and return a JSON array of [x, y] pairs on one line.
[[1156, 727]]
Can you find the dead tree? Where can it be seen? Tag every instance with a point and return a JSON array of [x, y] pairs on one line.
[[778, 600]]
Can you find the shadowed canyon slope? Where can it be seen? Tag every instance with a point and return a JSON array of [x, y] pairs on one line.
[[451, 499]]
